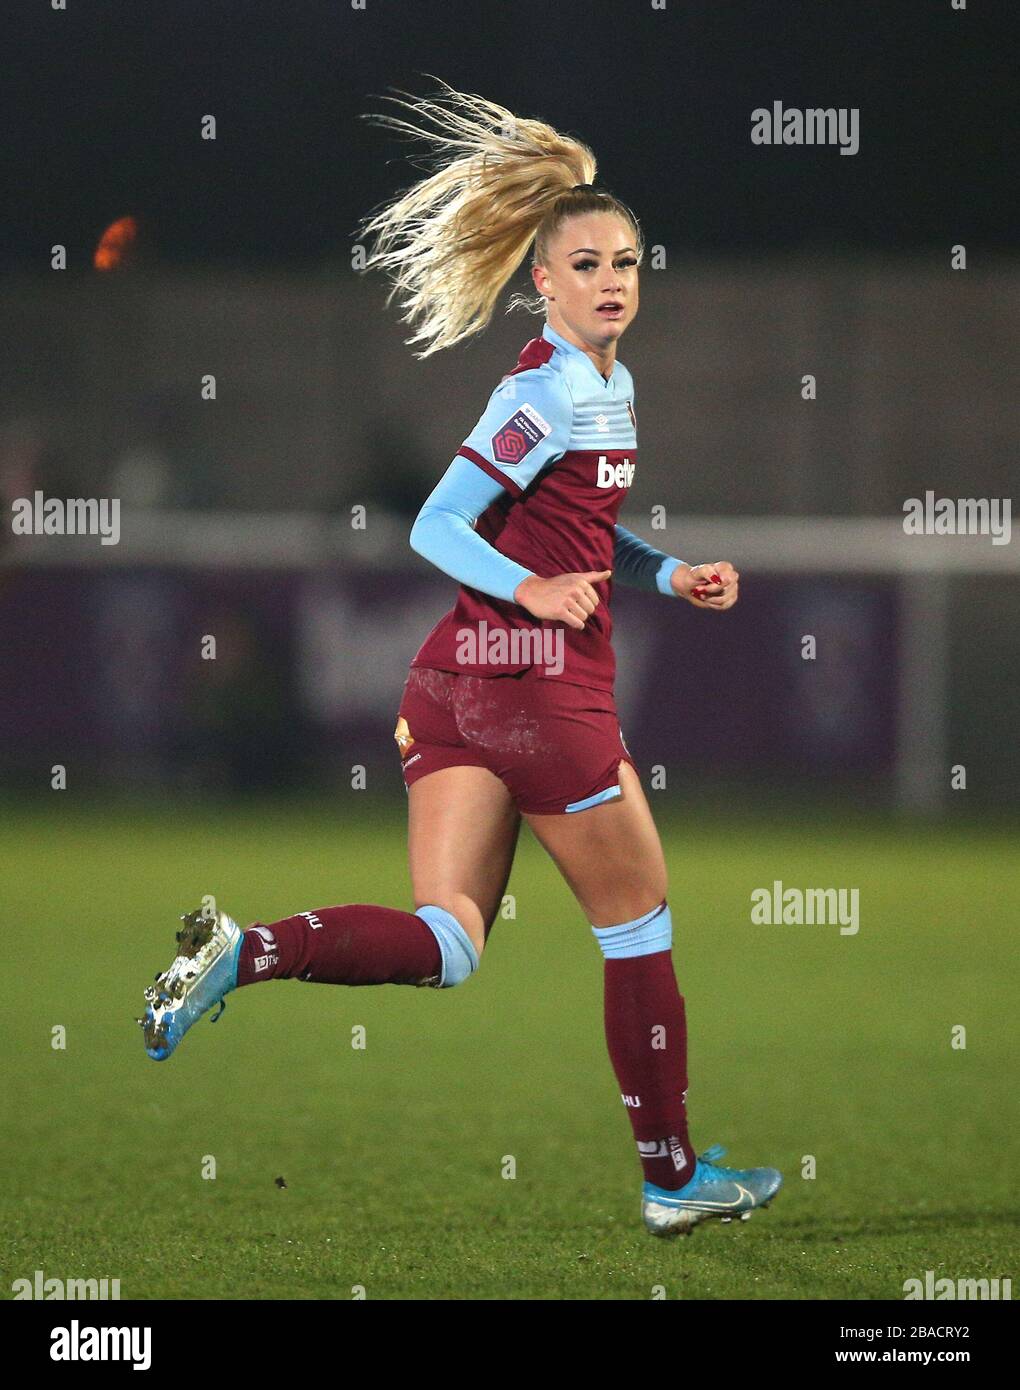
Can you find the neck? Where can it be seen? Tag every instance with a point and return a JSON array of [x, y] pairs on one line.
[[603, 357]]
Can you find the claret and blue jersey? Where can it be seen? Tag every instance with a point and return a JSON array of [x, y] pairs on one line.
[[541, 479], [555, 407]]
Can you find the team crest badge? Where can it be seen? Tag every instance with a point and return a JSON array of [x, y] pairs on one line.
[[519, 435], [403, 736]]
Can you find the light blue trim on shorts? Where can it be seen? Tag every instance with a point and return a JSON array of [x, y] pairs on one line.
[[460, 959], [596, 800], [643, 937]]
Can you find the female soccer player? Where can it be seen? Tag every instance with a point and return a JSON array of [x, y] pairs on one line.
[[508, 710]]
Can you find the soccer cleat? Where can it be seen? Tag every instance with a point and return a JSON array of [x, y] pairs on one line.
[[202, 974], [712, 1192]]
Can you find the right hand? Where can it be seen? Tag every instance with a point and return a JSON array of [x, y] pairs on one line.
[[567, 598]]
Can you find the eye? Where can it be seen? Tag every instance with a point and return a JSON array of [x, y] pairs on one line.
[[589, 264]]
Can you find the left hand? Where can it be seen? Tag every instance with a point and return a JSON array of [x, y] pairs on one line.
[[696, 584]]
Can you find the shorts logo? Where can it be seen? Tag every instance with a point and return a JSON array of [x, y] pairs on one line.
[[519, 435], [403, 736]]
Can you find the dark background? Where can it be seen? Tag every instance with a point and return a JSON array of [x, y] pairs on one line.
[[95, 98]]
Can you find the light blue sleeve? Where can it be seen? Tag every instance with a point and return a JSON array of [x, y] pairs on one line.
[[444, 533], [524, 428], [640, 565]]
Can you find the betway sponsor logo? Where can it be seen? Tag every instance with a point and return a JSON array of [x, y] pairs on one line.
[[614, 474]]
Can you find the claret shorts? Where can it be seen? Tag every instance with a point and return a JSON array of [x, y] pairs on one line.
[[557, 747]]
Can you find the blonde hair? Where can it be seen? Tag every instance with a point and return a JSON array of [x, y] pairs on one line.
[[454, 239]]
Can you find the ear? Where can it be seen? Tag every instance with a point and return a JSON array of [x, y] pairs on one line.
[[540, 277]]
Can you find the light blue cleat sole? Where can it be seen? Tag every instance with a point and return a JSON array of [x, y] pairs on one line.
[[202, 974], [713, 1192]]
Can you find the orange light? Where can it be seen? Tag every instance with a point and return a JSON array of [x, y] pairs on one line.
[[115, 244]]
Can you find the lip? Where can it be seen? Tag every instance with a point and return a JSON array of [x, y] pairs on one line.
[[607, 313]]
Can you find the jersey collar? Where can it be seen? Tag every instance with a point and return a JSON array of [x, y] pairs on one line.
[[553, 337]]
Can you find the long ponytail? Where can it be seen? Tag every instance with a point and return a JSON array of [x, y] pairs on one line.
[[452, 241]]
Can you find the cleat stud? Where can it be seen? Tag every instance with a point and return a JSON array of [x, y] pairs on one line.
[[745, 1216], [726, 1220]]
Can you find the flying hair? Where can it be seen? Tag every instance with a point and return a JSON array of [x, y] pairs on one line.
[[501, 184]]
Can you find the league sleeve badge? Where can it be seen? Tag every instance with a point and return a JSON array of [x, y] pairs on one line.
[[519, 435]]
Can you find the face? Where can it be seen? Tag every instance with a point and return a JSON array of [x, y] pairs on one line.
[[592, 261]]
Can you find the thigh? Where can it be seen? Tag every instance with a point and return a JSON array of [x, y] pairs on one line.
[[609, 854], [462, 834]]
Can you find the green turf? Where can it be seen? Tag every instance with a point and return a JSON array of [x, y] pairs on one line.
[[803, 1041]]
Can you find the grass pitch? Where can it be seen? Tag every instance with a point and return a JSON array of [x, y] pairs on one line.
[[802, 1042]]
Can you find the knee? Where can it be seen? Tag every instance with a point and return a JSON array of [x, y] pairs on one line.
[[645, 936], [459, 947]]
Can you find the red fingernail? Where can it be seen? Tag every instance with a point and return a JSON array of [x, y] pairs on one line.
[[715, 579]]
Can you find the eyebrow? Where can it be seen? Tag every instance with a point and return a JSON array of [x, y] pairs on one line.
[[591, 250]]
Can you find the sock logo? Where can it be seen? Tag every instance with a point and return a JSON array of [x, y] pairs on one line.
[[634, 1102], [676, 1153], [312, 920], [268, 939], [652, 1148], [264, 962]]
